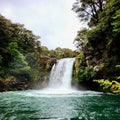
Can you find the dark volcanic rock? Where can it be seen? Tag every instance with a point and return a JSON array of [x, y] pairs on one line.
[[2, 86]]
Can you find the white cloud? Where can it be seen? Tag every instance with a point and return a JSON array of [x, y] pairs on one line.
[[53, 20]]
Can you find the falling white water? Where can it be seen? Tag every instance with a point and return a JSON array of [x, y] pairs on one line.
[[61, 76]]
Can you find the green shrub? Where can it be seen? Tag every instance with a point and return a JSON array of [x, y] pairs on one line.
[[111, 86]]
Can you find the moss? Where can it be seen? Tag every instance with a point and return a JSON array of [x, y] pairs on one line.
[[8, 80], [48, 66]]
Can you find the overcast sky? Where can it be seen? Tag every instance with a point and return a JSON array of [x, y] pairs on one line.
[[52, 20]]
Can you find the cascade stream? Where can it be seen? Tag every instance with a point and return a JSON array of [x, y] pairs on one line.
[[61, 74]]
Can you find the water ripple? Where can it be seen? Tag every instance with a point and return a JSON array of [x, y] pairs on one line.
[[80, 105]]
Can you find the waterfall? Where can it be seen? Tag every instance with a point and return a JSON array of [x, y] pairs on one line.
[[61, 74]]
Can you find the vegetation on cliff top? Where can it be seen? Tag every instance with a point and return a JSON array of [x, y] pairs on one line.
[[99, 45]]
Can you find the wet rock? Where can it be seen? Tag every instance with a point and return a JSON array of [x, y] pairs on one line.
[[48, 59], [2, 86], [46, 62], [18, 85]]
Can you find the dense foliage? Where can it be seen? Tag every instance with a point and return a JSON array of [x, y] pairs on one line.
[[100, 44]]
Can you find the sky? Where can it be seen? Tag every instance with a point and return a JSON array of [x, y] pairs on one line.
[[52, 20]]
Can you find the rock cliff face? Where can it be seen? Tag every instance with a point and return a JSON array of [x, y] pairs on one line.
[[11, 83], [45, 63], [96, 56], [42, 70]]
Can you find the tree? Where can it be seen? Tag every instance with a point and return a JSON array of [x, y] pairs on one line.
[[102, 42], [18, 65], [79, 41], [12, 32], [44, 51], [63, 53], [116, 22], [27, 41], [88, 10], [107, 31]]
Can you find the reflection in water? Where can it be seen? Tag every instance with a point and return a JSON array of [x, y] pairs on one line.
[[32, 105]]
